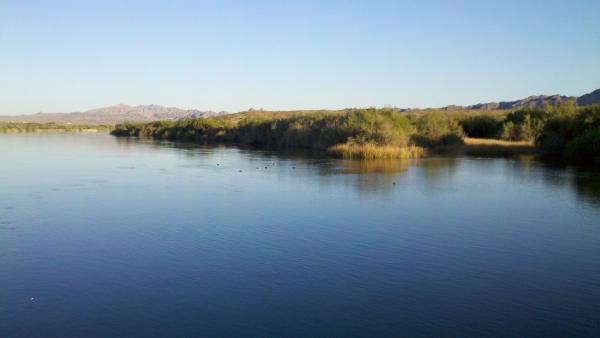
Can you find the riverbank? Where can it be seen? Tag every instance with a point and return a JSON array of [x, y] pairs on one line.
[[566, 130], [355, 133], [26, 127]]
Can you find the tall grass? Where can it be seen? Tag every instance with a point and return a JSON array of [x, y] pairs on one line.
[[470, 141], [496, 147], [373, 151]]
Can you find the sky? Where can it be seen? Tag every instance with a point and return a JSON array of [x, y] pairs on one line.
[[64, 56]]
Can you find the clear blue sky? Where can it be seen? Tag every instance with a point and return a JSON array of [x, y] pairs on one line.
[[233, 55]]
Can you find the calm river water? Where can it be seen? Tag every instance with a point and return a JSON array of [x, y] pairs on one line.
[[109, 237]]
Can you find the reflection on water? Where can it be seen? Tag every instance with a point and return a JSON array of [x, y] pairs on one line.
[[381, 175], [587, 186], [105, 237]]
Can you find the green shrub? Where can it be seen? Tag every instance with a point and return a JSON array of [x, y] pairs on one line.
[[566, 124], [584, 147], [437, 129], [555, 134], [523, 125]]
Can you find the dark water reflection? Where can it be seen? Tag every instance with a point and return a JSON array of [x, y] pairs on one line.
[[381, 173], [101, 236]]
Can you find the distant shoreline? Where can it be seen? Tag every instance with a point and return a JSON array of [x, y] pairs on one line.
[[27, 127]]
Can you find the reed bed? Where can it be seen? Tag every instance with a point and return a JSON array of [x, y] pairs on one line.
[[471, 141], [495, 147], [373, 151]]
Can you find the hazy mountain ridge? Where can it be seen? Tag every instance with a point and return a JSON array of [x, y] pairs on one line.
[[538, 101], [146, 113], [535, 101], [590, 98], [114, 114]]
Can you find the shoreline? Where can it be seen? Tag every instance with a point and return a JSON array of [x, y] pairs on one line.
[[471, 147], [27, 127]]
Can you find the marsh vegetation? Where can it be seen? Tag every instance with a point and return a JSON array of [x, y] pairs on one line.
[[357, 133], [566, 130]]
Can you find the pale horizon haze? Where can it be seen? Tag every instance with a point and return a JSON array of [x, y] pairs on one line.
[[65, 56]]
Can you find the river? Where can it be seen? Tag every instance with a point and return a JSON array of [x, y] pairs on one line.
[[107, 237]]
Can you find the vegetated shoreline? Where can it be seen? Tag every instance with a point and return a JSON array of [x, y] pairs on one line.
[[566, 131], [32, 127]]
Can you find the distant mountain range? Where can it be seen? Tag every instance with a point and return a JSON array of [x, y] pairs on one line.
[[114, 114], [533, 102], [591, 98], [145, 113]]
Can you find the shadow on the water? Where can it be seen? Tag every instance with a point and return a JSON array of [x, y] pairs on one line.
[[583, 180], [587, 186]]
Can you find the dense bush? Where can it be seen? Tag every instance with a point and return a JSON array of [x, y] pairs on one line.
[[481, 126], [574, 133], [316, 131], [584, 147], [437, 129], [523, 124], [555, 134], [382, 127]]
